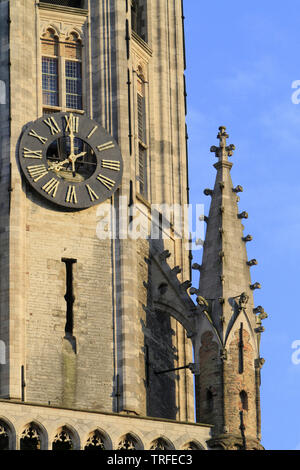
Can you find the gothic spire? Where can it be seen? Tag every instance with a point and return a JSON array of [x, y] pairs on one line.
[[225, 279]]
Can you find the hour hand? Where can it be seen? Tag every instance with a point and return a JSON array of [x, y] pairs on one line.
[[57, 166]]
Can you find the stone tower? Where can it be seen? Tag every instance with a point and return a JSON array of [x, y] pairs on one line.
[[227, 389], [97, 326]]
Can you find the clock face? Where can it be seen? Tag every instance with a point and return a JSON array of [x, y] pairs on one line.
[[70, 160]]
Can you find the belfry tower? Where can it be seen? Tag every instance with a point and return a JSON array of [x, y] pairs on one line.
[[97, 325]]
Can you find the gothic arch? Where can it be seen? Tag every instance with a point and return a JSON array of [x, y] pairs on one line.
[[51, 27], [243, 317], [161, 443], [33, 437], [129, 441], [97, 440], [76, 31], [193, 445], [7, 435], [66, 438]]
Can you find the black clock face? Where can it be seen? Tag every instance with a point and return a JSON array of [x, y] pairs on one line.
[[70, 160]]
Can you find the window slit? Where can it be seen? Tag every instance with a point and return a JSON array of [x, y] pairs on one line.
[[69, 296]]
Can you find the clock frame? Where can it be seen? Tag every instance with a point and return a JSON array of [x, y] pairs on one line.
[[48, 177]]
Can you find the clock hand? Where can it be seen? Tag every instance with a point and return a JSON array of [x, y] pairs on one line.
[[58, 166], [73, 158]]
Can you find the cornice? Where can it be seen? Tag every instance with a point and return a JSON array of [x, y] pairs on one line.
[[63, 9]]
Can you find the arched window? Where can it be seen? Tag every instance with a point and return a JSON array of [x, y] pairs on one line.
[[73, 72], [31, 438], [50, 52], [96, 441], [4, 436], [61, 72], [63, 440], [127, 442], [243, 400], [160, 444], [192, 446]]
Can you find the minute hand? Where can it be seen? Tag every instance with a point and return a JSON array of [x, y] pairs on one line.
[[73, 159]]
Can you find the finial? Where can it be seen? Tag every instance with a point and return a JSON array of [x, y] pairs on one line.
[[224, 151]]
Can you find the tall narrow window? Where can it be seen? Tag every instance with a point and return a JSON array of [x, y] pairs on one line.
[[73, 72], [61, 72], [141, 132], [73, 85], [50, 69]]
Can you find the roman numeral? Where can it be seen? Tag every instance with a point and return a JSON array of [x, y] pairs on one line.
[[32, 133], [51, 187], [37, 154], [107, 182], [92, 194], [71, 195], [111, 165], [52, 124], [106, 146], [92, 132], [37, 172], [72, 123]]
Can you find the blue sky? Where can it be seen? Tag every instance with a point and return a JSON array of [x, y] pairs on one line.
[[241, 61]]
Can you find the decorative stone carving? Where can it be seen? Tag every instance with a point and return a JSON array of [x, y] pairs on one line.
[[221, 185], [208, 192], [222, 209], [262, 314], [95, 442], [255, 286], [196, 267], [259, 362], [194, 291], [259, 329], [224, 151], [221, 255], [176, 270], [243, 215], [30, 438], [199, 242], [238, 189], [63, 440], [243, 300], [248, 238], [164, 255], [252, 262], [159, 444], [186, 285], [127, 443]]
